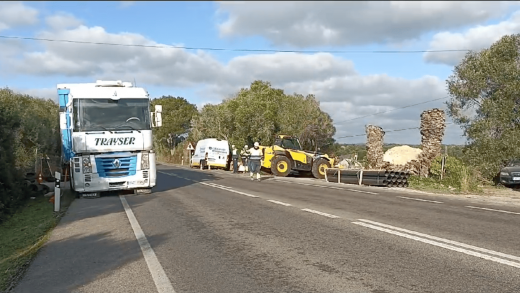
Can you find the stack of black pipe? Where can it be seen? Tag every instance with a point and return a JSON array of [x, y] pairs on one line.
[[370, 177]]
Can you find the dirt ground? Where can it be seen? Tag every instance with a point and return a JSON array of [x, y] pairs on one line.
[[490, 195]]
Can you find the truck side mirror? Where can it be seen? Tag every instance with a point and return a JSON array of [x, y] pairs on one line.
[[158, 116]]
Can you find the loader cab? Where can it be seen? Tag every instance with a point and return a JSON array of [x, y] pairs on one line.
[[288, 142]]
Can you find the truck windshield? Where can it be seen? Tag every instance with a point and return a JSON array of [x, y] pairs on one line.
[[108, 114]]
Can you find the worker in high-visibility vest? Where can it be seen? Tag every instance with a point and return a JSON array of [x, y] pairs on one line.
[[255, 159], [245, 154], [234, 156]]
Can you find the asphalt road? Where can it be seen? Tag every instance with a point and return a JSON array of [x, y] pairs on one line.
[[212, 231], [219, 238]]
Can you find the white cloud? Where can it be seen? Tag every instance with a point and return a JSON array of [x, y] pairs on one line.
[[157, 66], [477, 38], [16, 14], [344, 93], [320, 23], [62, 21], [125, 4]]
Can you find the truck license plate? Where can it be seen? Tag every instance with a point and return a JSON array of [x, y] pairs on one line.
[[516, 178], [92, 194]]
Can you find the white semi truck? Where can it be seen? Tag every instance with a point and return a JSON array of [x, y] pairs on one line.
[[106, 135]]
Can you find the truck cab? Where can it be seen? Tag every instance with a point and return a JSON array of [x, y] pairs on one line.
[[106, 132]]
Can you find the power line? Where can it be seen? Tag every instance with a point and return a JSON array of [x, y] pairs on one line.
[[385, 131], [359, 117], [237, 50]]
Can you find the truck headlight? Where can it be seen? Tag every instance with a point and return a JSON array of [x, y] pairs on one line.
[[87, 166], [145, 161], [504, 174]]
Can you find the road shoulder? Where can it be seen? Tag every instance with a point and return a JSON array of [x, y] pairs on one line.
[[93, 249]]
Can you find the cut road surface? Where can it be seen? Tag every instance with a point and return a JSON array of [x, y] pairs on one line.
[[212, 231]]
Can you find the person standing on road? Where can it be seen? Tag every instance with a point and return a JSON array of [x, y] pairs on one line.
[[255, 160], [234, 156], [245, 162]]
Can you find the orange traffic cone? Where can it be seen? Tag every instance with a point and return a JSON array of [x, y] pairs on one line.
[[40, 178]]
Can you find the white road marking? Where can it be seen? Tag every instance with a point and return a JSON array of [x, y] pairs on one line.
[[221, 186], [320, 213], [323, 186], [444, 240], [171, 174], [362, 191], [279, 202], [493, 210], [228, 189], [420, 199], [162, 283], [450, 247]]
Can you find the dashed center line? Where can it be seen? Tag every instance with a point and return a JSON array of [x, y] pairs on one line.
[[279, 202], [493, 210], [221, 186], [320, 213], [420, 199], [331, 187], [227, 189]]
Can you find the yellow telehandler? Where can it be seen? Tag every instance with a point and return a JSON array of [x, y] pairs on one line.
[[286, 155]]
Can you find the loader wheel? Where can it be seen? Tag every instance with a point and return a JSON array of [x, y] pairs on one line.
[[281, 166], [318, 168]]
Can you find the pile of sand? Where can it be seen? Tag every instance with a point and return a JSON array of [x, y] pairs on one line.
[[400, 155]]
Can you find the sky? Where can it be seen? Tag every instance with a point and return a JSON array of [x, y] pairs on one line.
[[354, 83]]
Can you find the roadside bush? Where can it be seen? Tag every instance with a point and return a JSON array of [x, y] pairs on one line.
[[10, 189], [456, 174], [27, 124]]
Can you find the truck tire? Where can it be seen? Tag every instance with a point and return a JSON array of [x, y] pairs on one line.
[[281, 166], [318, 168]]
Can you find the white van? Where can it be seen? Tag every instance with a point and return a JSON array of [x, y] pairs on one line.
[[217, 150]]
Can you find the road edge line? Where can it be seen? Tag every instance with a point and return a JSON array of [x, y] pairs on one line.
[[161, 280]]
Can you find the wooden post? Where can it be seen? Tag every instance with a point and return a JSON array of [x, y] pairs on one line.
[[442, 166], [326, 180], [443, 160]]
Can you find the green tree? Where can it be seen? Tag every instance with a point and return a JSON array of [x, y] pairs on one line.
[[260, 112], [484, 101], [177, 114]]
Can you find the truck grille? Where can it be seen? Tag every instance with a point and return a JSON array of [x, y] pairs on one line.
[[109, 167]]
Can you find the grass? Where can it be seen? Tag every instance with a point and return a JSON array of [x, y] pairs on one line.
[[464, 185], [22, 236], [429, 185]]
